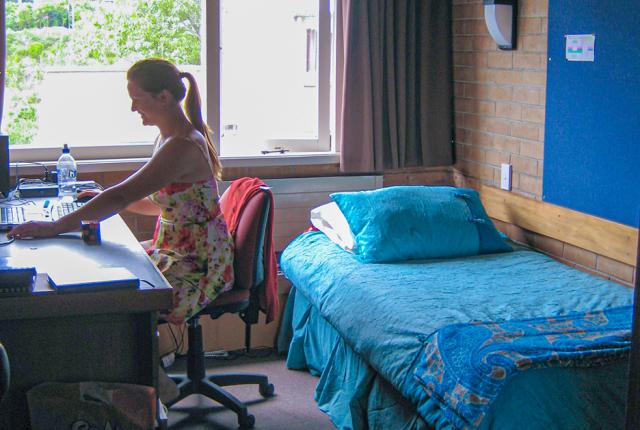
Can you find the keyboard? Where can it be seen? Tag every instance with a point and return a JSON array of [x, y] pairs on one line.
[[12, 215], [65, 208]]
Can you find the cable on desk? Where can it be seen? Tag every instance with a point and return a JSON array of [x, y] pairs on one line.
[[14, 199], [19, 180], [8, 241], [148, 283], [14, 194], [34, 163]]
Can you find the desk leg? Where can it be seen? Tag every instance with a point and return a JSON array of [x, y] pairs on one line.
[[161, 417]]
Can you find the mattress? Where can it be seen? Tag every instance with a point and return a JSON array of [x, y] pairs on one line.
[[384, 312]]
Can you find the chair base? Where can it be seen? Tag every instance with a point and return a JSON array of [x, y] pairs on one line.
[[211, 387], [196, 381]]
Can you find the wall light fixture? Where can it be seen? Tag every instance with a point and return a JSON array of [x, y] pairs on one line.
[[501, 17]]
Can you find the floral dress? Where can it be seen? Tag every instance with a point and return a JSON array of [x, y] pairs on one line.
[[191, 246]]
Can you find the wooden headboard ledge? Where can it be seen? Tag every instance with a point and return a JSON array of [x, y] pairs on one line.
[[616, 241]]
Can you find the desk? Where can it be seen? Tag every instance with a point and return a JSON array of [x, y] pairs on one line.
[[99, 336]]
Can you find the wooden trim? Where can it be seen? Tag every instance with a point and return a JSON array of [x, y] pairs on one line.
[[608, 238]]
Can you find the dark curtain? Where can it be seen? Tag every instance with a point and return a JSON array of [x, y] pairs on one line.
[[394, 84]]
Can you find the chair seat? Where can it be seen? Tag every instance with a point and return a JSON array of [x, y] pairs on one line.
[[231, 296], [233, 301]]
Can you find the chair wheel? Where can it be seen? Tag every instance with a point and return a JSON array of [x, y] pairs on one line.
[[267, 390], [247, 422]]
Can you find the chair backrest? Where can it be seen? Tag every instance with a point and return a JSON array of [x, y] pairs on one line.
[[248, 265]]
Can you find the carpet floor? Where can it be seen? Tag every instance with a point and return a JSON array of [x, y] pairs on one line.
[[291, 408]]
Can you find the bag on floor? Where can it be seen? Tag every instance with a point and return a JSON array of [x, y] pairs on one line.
[[91, 406]]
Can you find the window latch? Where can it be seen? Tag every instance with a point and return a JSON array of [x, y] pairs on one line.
[[276, 150]]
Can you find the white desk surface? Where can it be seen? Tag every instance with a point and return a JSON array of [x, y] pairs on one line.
[[119, 248]]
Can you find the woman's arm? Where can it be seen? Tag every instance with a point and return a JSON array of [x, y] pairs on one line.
[[172, 161], [144, 207]]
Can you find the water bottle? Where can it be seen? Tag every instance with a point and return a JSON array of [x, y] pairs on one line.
[[67, 171]]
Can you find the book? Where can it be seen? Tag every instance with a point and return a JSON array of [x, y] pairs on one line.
[[16, 281], [93, 279]]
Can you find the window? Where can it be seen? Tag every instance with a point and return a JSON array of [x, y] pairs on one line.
[[67, 59], [274, 86]]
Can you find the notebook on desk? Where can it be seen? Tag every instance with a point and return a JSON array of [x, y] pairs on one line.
[[92, 279], [12, 215]]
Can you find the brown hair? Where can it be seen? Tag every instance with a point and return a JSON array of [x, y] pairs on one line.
[[154, 75]]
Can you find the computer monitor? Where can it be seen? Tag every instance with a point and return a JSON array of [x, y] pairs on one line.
[[5, 184]]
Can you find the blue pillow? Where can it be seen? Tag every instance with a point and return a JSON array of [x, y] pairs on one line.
[[418, 222]]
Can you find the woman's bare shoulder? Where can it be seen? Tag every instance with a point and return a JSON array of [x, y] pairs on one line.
[[187, 153], [193, 139]]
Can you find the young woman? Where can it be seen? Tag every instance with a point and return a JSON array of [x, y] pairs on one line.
[[191, 244]]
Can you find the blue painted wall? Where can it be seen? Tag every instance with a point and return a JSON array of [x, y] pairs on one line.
[[592, 133]]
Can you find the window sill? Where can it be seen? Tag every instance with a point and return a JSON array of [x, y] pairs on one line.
[[131, 164], [290, 159]]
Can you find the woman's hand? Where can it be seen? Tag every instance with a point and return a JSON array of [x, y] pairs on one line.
[[86, 195], [34, 230]]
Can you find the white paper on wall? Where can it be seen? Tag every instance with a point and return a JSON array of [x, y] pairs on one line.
[[580, 47]]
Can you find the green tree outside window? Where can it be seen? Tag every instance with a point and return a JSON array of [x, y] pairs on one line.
[[88, 33]]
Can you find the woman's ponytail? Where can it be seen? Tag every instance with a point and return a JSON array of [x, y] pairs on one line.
[[193, 108], [155, 75]]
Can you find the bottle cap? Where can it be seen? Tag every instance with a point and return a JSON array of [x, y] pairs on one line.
[[65, 149]]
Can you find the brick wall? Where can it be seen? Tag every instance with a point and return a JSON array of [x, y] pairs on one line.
[[500, 97], [419, 176], [499, 118]]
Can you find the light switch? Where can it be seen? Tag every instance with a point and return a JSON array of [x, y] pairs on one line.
[[505, 176]]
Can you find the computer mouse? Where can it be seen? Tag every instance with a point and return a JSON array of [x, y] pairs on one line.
[[86, 195]]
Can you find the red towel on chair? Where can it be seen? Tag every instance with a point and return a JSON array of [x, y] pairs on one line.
[[239, 193]]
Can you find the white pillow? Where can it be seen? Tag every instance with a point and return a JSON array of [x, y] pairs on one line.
[[330, 220]]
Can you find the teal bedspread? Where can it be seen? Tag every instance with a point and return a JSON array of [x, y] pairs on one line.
[[383, 312], [465, 367]]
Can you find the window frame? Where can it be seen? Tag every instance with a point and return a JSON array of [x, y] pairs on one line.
[[100, 156]]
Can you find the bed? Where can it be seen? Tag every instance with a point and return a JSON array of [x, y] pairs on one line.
[[366, 328]]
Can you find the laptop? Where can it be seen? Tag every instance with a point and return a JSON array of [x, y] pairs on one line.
[[92, 279], [13, 215]]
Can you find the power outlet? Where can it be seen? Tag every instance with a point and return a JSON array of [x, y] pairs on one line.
[[505, 176]]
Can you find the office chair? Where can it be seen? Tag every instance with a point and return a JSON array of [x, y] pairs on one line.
[[242, 299], [5, 374]]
